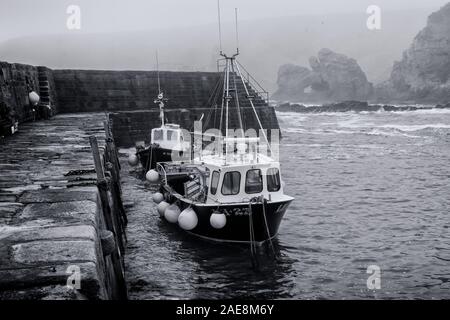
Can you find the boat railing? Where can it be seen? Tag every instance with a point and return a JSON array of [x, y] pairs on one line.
[[173, 168], [252, 84]]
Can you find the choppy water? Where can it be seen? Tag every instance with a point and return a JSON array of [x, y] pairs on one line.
[[370, 189]]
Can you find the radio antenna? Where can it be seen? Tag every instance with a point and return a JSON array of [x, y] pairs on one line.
[[237, 35], [157, 71], [220, 29]]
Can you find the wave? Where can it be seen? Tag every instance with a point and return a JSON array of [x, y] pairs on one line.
[[417, 127], [419, 110], [318, 131], [390, 133], [314, 114]]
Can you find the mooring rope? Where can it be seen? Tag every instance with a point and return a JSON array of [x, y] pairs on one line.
[[254, 257], [149, 161], [263, 203]]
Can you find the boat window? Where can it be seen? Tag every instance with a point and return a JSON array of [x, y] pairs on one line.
[[273, 180], [231, 181], [253, 181], [171, 135], [215, 182], [157, 135]]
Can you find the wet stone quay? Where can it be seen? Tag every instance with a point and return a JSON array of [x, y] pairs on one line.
[[49, 221]]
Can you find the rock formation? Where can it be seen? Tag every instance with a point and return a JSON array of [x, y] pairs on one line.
[[423, 74], [333, 77], [293, 80]]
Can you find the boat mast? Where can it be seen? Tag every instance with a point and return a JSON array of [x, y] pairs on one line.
[[230, 62], [160, 100], [232, 66]]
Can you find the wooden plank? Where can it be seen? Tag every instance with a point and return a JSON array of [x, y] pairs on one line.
[[103, 184]]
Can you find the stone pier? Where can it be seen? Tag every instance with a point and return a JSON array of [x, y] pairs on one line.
[[50, 211]]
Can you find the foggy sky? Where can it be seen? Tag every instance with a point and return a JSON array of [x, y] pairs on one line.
[[39, 17]]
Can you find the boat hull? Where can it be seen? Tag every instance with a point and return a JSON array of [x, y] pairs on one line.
[[150, 156], [237, 227]]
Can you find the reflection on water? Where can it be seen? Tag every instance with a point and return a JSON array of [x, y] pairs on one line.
[[370, 188]]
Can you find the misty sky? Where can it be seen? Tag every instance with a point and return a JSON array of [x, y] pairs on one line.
[[37, 17]]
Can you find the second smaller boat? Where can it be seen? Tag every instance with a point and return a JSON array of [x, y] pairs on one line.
[[166, 142]]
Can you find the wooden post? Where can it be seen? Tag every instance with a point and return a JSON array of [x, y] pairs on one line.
[[115, 172], [102, 183], [97, 161]]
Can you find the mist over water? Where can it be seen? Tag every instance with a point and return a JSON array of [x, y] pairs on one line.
[[370, 189]]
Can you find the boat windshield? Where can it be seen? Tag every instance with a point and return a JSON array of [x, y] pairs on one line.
[[172, 135], [231, 181], [158, 135], [253, 181], [273, 180]]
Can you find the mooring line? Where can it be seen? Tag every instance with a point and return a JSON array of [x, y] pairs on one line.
[[263, 203], [253, 252], [149, 161]]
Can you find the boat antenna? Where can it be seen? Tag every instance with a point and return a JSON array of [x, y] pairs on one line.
[[157, 71], [220, 29], [160, 99], [237, 35]]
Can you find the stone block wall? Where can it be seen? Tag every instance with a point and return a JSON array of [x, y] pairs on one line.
[[133, 126], [16, 82], [133, 93], [69, 91], [97, 90]]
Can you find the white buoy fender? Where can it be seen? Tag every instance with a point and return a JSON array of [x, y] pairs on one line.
[[188, 219], [34, 98], [152, 176], [218, 220], [161, 207], [171, 213], [157, 197], [133, 160]]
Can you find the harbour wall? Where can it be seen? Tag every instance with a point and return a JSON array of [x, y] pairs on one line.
[[97, 90], [129, 97], [17, 81], [61, 227], [132, 92], [130, 127]]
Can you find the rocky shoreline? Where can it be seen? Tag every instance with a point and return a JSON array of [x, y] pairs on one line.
[[355, 106]]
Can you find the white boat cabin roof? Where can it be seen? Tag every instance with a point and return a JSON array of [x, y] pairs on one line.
[[169, 136], [235, 160]]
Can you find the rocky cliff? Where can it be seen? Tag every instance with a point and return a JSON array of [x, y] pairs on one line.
[[332, 77], [423, 74]]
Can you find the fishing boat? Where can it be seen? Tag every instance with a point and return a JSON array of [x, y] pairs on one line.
[[166, 141], [232, 192]]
